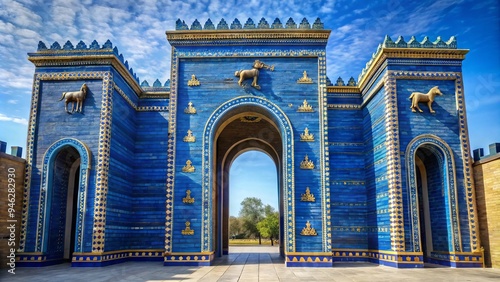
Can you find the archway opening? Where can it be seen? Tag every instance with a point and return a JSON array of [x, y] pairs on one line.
[[240, 130], [433, 201], [253, 175], [62, 203]]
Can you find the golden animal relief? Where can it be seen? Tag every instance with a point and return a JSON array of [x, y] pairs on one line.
[[418, 97], [193, 81], [188, 199], [188, 167], [307, 197], [187, 230], [305, 107], [306, 163], [253, 73], [308, 230], [75, 97], [190, 109], [305, 79], [189, 137], [306, 136]]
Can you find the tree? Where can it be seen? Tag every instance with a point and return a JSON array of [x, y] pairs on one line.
[[252, 211], [235, 226], [269, 226]]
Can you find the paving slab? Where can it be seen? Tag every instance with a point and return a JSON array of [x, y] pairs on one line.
[[247, 264]]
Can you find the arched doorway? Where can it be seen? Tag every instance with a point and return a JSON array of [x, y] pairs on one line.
[[63, 192], [249, 125], [433, 198], [61, 203], [238, 136]]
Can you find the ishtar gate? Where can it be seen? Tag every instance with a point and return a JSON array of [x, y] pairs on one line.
[[376, 169]]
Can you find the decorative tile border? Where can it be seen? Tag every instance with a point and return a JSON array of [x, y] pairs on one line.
[[354, 144], [116, 255], [324, 164], [251, 52], [349, 182], [458, 257], [308, 260], [396, 259], [189, 258], [172, 124], [140, 108], [393, 164], [102, 167], [344, 107]]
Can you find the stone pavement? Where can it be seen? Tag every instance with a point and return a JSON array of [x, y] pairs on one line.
[[246, 264]]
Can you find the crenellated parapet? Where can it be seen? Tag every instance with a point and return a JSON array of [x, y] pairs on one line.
[[156, 87], [328, 81], [95, 54], [81, 49], [401, 49], [424, 49], [249, 24], [340, 82], [249, 32]]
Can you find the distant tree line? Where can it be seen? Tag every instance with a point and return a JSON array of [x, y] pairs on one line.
[[255, 221]]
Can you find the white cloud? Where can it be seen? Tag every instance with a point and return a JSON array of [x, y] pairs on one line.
[[13, 102], [19, 14], [18, 76], [13, 119]]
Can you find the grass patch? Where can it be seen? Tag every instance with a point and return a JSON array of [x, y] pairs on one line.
[[249, 242]]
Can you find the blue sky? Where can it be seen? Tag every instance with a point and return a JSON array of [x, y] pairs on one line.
[[138, 28], [252, 174]]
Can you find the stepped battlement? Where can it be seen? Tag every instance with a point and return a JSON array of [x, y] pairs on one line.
[[411, 44], [419, 49], [156, 87], [249, 24], [81, 49]]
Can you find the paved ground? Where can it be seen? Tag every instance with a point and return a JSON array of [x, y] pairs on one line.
[[246, 264]]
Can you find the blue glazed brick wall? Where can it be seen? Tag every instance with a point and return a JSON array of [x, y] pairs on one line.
[[150, 178], [53, 124], [136, 200], [136, 219], [120, 176], [376, 173], [347, 177], [218, 85]]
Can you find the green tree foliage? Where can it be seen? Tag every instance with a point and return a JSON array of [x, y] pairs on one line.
[[269, 226], [252, 212], [235, 227]]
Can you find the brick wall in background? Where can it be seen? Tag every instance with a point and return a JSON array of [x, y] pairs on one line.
[[7, 163], [487, 180]]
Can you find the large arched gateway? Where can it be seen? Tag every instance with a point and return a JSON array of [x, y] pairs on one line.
[[241, 124], [360, 166]]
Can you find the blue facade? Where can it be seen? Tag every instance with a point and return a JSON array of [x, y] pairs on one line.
[[376, 168]]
